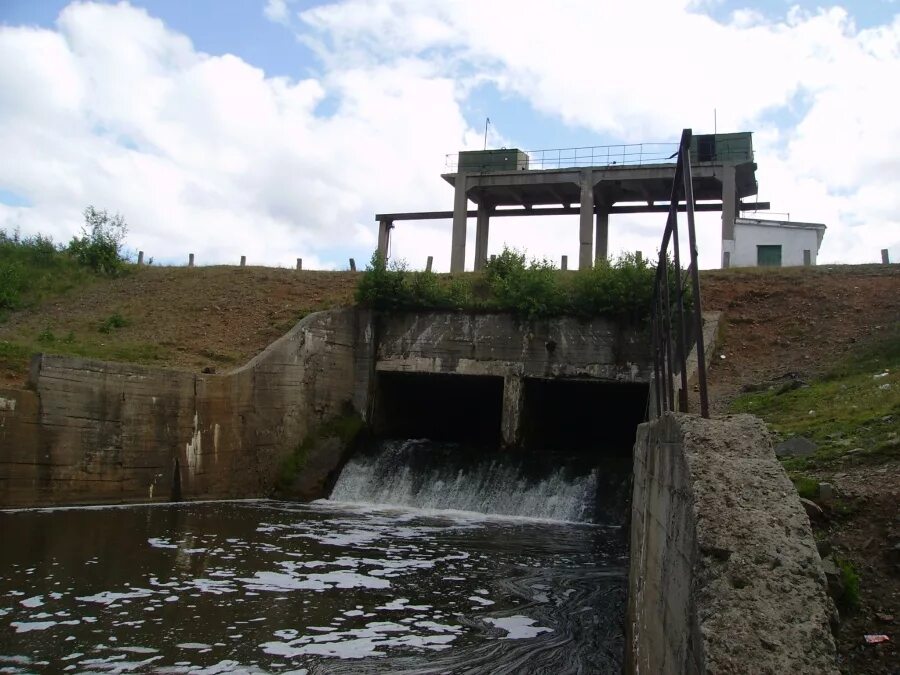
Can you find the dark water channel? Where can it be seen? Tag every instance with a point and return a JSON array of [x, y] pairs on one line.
[[271, 587]]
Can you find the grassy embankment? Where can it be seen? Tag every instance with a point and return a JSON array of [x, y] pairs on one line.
[[34, 270], [851, 413]]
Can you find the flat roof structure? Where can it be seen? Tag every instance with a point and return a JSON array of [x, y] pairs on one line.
[[640, 182]]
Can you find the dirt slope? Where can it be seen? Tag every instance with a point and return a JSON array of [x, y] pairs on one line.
[[801, 322], [178, 317]]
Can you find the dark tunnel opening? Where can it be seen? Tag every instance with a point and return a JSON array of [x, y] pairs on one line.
[[439, 406], [598, 419]]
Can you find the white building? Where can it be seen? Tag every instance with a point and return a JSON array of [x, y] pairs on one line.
[[774, 243]]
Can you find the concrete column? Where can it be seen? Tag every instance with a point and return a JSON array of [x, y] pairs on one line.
[[586, 228], [513, 400], [601, 250], [482, 227], [190, 259], [140, 257], [299, 263], [885, 257], [460, 213], [384, 237], [729, 210], [243, 261], [564, 263], [428, 263]]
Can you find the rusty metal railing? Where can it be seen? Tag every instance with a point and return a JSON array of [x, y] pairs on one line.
[[676, 310]]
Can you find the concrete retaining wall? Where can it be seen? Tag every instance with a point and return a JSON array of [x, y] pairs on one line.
[[94, 432], [725, 575]]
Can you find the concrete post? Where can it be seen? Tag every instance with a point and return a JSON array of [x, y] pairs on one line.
[[729, 210], [299, 263], [428, 263], [352, 265], [243, 261], [564, 264], [885, 257], [460, 213], [482, 226], [513, 400], [140, 257], [190, 260], [384, 237], [601, 250], [586, 229]]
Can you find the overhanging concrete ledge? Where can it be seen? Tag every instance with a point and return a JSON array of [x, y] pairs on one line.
[[725, 575]]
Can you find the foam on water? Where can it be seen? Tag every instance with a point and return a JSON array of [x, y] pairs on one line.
[[397, 475]]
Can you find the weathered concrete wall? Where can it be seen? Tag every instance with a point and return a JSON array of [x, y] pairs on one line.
[[725, 575], [95, 432], [500, 344]]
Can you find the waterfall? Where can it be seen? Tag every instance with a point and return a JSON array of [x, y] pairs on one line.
[[429, 475]]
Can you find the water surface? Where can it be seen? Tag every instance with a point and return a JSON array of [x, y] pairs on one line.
[[271, 587]]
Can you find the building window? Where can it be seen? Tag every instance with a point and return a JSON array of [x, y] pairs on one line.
[[768, 255]]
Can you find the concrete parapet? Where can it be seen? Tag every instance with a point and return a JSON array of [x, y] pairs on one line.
[[725, 576], [503, 345]]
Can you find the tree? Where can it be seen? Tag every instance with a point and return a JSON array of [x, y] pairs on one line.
[[100, 244]]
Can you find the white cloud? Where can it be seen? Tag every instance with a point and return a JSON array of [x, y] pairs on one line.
[[205, 153], [277, 11], [640, 71], [208, 154]]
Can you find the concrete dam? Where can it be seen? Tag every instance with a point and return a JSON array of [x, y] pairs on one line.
[[684, 531]]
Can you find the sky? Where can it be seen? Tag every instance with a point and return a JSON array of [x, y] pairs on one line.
[[276, 129]]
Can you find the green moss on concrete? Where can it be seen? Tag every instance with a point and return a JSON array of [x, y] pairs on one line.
[[345, 427]]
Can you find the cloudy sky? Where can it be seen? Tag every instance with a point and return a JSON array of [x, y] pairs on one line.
[[276, 129]]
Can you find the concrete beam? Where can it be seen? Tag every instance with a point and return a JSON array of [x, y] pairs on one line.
[[586, 224], [658, 207], [482, 227], [460, 213]]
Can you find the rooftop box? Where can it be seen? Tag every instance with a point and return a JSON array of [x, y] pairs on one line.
[[490, 161], [731, 148]]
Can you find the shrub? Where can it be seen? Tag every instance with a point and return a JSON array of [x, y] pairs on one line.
[[510, 283], [383, 287], [100, 245], [46, 336], [849, 599], [113, 321], [10, 285]]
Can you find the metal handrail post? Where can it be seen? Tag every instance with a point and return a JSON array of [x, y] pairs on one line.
[[695, 274]]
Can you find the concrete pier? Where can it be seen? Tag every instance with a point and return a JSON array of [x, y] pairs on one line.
[[586, 222], [460, 215], [601, 250], [482, 226]]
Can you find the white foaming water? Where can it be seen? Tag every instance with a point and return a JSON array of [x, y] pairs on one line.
[[494, 487]]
